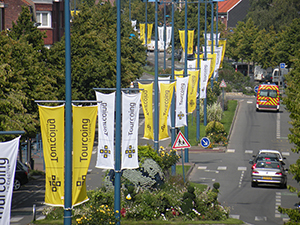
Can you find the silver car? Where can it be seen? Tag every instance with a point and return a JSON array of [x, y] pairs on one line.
[[269, 172]]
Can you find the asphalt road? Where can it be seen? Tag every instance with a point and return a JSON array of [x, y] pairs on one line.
[[252, 131]]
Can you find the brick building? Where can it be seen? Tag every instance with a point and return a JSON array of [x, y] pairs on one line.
[[48, 15]]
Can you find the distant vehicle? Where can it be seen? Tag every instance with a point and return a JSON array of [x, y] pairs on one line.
[[21, 175], [151, 46], [278, 75], [267, 151], [259, 73], [268, 172], [267, 97]]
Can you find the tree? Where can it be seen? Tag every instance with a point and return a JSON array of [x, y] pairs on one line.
[[93, 52], [273, 13]]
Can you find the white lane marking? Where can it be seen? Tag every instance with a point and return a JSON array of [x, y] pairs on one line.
[[278, 126], [249, 151], [212, 171], [277, 204], [234, 216], [230, 150], [202, 167], [260, 218], [286, 153], [16, 219], [222, 168], [243, 168], [241, 179], [249, 102]]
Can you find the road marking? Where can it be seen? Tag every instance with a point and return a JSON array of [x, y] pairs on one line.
[[243, 168], [241, 179], [278, 126], [260, 218], [230, 150], [249, 151], [249, 102], [202, 167], [222, 168], [212, 171], [285, 153], [16, 219], [234, 216]]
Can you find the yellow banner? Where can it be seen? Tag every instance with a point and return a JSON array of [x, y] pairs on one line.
[[142, 32], [146, 100], [213, 58], [166, 93], [223, 44], [53, 137], [84, 123], [182, 38], [178, 73], [190, 42], [149, 32], [192, 89]]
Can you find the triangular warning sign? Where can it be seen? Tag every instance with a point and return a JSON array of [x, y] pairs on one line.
[[223, 84], [181, 142]]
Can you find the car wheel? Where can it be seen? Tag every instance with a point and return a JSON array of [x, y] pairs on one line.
[[283, 186], [17, 184], [253, 184]]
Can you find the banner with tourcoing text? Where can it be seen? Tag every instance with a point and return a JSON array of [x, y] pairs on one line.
[[205, 68], [178, 73], [218, 52], [190, 43], [181, 97], [53, 136], [149, 32], [191, 64], [130, 126], [8, 160], [212, 58], [166, 94], [133, 24], [106, 135], [142, 33], [192, 89], [84, 124]]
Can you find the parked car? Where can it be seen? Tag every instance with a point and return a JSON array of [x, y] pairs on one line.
[[21, 175], [269, 172]]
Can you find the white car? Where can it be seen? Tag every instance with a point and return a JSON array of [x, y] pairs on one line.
[[278, 153]]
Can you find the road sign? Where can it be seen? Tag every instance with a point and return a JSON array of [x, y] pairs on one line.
[[223, 84], [181, 142], [282, 65], [256, 88], [205, 142]]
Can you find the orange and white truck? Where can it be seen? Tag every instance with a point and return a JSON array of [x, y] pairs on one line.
[[268, 97]]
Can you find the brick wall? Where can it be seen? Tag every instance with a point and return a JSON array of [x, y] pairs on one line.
[[12, 12]]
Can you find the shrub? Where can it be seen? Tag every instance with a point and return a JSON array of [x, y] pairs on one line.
[[214, 112], [215, 132]]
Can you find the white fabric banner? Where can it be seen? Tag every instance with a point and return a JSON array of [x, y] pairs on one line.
[[106, 123], [133, 24], [208, 36], [205, 67], [191, 64], [218, 51], [168, 36], [165, 80], [130, 126], [181, 98], [8, 160], [161, 37]]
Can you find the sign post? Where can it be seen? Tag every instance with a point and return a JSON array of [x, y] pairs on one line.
[[180, 143]]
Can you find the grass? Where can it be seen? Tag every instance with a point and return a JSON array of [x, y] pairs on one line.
[[226, 121]]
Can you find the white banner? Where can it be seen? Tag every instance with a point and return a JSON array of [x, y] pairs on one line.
[[169, 35], [161, 36], [181, 97], [218, 51], [191, 64], [106, 123], [133, 24], [130, 126], [8, 160], [214, 36], [205, 67]]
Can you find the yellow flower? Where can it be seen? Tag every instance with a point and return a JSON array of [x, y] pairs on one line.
[[128, 197], [117, 211]]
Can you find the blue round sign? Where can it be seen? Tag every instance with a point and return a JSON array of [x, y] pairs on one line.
[[256, 89], [205, 142]]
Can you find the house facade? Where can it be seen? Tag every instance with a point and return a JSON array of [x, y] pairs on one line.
[[48, 16], [232, 11]]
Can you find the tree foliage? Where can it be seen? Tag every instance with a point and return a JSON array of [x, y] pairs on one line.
[[273, 13], [93, 52]]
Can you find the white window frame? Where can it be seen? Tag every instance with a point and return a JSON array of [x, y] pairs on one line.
[[39, 19]]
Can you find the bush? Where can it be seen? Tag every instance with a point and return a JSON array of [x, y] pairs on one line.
[[214, 112], [216, 133]]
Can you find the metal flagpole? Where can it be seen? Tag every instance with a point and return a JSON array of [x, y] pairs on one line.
[[186, 130], [156, 113]]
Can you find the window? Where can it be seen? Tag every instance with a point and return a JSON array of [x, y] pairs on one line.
[[44, 18]]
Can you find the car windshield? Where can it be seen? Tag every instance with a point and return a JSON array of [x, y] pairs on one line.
[[268, 93], [273, 165], [267, 158]]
